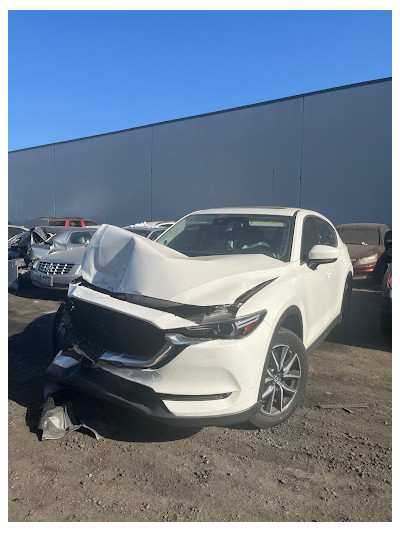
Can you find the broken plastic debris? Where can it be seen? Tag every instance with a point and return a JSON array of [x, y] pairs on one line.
[[65, 410]]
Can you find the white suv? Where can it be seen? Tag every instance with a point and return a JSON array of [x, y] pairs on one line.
[[212, 323]]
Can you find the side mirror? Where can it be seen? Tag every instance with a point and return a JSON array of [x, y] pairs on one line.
[[321, 255]]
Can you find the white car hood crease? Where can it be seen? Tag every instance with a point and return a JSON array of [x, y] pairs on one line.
[[122, 262]]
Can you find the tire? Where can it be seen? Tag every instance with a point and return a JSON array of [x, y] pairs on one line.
[[279, 403], [58, 330]]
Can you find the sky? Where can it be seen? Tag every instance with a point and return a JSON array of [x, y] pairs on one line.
[[79, 73]]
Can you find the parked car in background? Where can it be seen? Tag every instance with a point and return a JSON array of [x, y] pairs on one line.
[[212, 323], [75, 222], [163, 223], [365, 243], [152, 223], [58, 269], [65, 240], [20, 244], [386, 312], [150, 232], [385, 259], [15, 230]]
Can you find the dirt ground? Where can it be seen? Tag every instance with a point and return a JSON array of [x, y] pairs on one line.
[[320, 465]]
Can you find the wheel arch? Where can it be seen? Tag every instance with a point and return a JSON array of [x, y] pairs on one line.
[[292, 320]]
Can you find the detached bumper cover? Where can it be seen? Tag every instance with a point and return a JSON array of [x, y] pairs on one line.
[[96, 381]]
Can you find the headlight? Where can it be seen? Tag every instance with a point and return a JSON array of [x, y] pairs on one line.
[[225, 329], [35, 263], [367, 260]]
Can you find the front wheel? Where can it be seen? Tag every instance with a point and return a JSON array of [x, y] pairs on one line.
[[284, 380]]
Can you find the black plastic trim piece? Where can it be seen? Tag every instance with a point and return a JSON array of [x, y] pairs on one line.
[[323, 336]]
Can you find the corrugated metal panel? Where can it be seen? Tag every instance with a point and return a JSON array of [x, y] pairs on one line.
[[31, 184], [105, 178], [340, 139], [245, 157], [346, 170]]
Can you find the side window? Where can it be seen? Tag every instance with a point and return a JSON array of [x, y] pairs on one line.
[[80, 237], [75, 223], [309, 238], [57, 222], [89, 223], [326, 234]]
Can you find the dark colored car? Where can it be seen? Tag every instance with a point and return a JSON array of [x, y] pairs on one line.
[[366, 244], [75, 222], [386, 312]]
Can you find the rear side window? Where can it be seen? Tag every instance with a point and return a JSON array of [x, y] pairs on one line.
[[89, 223], [327, 235], [310, 238], [75, 223], [58, 222], [80, 237]]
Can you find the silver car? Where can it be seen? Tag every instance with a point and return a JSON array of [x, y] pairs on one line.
[[58, 269], [67, 239]]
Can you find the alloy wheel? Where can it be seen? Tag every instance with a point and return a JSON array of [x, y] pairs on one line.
[[281, 381]]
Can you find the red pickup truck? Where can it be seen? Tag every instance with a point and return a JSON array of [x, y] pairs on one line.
[[63, 221]]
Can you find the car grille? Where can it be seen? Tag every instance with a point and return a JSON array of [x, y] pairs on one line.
[[116, 332], [54, 268]]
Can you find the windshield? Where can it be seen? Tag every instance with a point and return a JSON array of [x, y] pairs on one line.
[[208, 234], [364, 236]]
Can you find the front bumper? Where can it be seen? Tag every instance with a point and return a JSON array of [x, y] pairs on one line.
[[52, 281], [201, 382], [99, 382]]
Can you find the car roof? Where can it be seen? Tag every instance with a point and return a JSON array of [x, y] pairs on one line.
[[363, 225], [143, 227], [255, 210], [79, 228]]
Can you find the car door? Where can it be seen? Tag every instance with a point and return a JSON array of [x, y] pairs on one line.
[[337, 271], [316, 284]]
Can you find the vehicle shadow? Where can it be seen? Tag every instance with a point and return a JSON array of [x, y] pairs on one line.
[[31, 352], [27, 290], [365, 316]]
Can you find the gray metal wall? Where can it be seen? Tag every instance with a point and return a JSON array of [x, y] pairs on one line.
[[330, 151]]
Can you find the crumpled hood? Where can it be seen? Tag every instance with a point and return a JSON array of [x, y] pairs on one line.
[[122, 262]]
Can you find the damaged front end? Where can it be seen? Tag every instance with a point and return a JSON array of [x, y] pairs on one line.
[[105, 350], [101, 334], [162, 333]]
